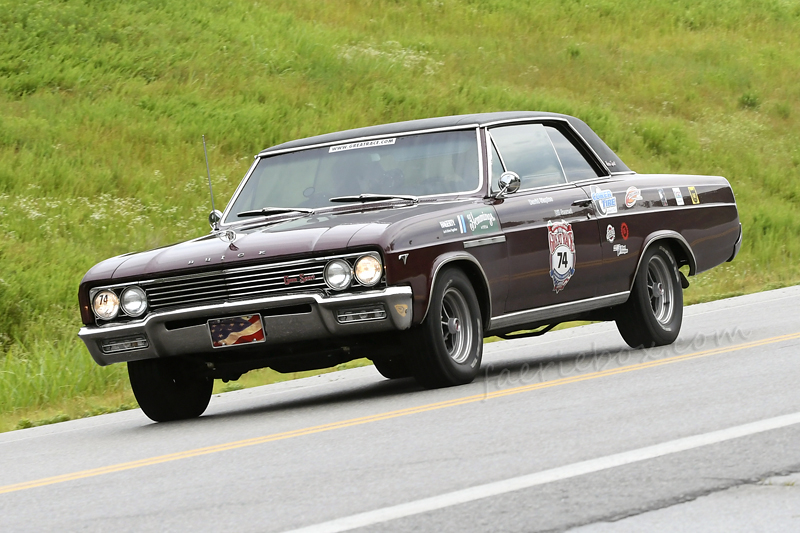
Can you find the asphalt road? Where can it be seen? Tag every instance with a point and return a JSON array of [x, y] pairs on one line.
[[571, 430]]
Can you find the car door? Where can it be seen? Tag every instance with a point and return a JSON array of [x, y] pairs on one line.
[[552, 238], [613, 199]]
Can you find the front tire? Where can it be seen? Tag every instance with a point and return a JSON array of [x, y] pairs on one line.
[[448, 346], [169, 389], [392, 367], [653, 314]]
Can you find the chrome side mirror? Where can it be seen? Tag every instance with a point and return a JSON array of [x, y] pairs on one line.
[[509, 184], [213, 218]]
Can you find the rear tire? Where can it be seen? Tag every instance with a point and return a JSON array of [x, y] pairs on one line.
[[446, 349], [653, 314], [169, 389]]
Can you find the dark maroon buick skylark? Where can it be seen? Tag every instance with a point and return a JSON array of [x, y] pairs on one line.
[[408, 243]]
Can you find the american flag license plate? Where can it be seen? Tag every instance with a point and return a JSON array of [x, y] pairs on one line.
[[235, 330]]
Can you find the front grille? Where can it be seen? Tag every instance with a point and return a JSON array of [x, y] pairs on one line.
[[242, 283]]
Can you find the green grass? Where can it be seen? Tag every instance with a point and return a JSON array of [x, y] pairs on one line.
[[103, 104]]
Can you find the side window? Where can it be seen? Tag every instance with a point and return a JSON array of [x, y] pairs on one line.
[[575, 165], [497, 169], [527, 150]]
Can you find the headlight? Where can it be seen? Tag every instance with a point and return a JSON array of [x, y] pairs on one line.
[[338, 274], [368, 270], [105, 305], [133, 301]]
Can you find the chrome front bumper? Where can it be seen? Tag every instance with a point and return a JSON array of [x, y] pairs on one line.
[[286, 319]]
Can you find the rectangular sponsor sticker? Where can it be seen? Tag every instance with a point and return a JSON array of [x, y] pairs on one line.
[[361, 144], [604, 201], [678, 196], [693, 194], [449, 226], [462, 225], [481, 221], [475, 222]]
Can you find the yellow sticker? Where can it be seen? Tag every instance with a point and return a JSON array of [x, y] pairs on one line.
[[401, 309], [693, 193]]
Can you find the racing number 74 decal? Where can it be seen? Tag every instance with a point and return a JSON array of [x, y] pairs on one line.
[[562, 253]]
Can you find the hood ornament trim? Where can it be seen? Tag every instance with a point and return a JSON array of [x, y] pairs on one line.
[[228, 236]]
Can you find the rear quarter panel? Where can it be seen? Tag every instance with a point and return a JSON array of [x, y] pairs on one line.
[[708, 221]]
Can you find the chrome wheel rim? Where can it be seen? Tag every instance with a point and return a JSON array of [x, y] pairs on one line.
[[456, 325], [660, 288]]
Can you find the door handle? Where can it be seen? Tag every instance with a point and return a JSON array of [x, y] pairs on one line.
[[586, 202]]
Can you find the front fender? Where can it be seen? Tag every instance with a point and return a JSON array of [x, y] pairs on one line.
[[474, 271]]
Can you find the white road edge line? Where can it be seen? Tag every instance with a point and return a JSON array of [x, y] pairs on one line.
[[722, 307], [556, 474]]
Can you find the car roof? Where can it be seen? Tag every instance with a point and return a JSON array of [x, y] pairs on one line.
[[614, 163]]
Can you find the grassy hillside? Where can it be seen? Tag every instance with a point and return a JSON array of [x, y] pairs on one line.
[[103, 104]]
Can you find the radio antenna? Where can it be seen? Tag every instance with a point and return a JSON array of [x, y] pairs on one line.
[[215, 224]]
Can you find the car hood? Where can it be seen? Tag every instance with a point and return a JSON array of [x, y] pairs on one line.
[[289, 238]]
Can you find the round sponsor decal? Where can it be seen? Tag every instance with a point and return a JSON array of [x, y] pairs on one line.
[[623, 230], [562, 253], [610, 233], [631, 195]]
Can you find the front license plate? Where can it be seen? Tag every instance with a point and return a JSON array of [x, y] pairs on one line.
[[235, 330]]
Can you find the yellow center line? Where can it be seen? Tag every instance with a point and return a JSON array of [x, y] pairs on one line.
[[383, 416]]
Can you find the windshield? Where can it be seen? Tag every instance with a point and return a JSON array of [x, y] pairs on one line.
[[412, 165]]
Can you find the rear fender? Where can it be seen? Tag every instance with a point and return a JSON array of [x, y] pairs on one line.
[[678, 246]]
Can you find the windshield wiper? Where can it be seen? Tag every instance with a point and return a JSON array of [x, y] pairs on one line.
[[374, 198], [267, 211]]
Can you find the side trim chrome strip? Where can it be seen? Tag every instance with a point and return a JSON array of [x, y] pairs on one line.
[[484, 242], [554, 311], [656, 210]]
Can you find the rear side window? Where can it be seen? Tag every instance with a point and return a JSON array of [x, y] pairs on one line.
[[574, 163], [527, 150]]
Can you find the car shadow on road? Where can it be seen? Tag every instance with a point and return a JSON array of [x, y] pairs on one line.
[[353, 393], [494, 375], [509, 372]]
